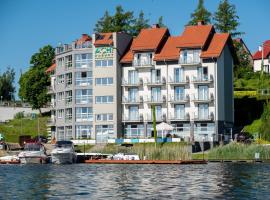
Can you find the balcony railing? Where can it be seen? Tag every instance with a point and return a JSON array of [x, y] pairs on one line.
[[128, 100], [143, 63], [81, 117], [156, 99], [202, 98], [154, 82], [134, 133], [84, 99], [83, 81], [179, 98], [174, 117], [209, 117], [132, 118], [137, 82], [159, 117], [178, 81], [202, 79]]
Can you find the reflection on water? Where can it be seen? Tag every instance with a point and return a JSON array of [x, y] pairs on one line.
[[82, 181]]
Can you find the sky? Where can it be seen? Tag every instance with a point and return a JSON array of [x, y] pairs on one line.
[[27, 25]]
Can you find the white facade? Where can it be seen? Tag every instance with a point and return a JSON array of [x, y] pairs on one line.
[[257, 65], [183, 92]]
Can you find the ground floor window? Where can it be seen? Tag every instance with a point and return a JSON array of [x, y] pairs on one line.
[[104, 132], [134, 131], [204, 131], [84, 114], [68, 135], [83, 132], [60, 133], [181, 130]]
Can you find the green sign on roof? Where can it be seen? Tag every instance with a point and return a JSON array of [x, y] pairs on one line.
[[103, 52]]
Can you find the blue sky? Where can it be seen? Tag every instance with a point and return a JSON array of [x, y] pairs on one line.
[[27, 25]]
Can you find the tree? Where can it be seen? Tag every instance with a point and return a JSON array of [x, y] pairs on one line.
[[7, 87], [226, 18], [121, 21], [140, 23], [160, 22], [34, 82], [200, 14]]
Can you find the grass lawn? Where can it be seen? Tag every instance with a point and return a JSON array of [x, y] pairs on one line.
[[25, 126]]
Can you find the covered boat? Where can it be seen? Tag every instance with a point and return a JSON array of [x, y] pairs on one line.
[[64, 153], [33, 152]]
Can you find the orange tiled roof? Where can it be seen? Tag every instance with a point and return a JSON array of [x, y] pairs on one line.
[[104, 39], [169, 50], [51, 68], [216, 46], [149, 39], [266, 51], [195, 36], [83, 39]]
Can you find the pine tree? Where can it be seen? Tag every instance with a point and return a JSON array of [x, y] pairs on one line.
[[104, 24], [140, 23], [200, 14], [160, 22], [226, 18]]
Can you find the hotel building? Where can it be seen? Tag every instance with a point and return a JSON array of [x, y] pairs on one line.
[[262, 55], [103, 87]]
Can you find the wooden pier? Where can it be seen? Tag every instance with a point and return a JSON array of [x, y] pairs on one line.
[[174, 162]]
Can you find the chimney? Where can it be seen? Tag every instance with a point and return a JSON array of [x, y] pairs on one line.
[[155, 26], [201, 22]]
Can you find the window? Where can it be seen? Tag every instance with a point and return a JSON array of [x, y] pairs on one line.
[[60, 62], [84, 132], [156, 94], [142, 59], [202, 73], [68, 61], [133, 113], [104, 117], [190, 56], [132, 94], [178, 75], [104, 81], [202, 92], [179, 93], [60, 113], [60, 96], [104, 63], [203, 111], [83, 78], [68, 115], [155, 76], [104, 132], [179, 111], [84, 114], [132, 77], [84, 96], [60, 133], [68, 79], [83, 60], [104, 99], [60, 79], [68, 98], [68, 131]]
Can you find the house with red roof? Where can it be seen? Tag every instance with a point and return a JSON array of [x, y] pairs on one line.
[[261, 58], [188, 79]]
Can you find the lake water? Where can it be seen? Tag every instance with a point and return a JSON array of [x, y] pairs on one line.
[[82, 181]]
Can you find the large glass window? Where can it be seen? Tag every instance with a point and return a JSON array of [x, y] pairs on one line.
[[68, 135], [83, 78], [203, 111], [156, 94], [141, 59], [155, 76], [104, 132], [60, 133], [104, 63], [203, 92], [60, 79], [104, 99], [132, 94], [68, 115], [83, 60], [189, 56], [84, 96], [179, 93], [68, 98], [179, 111], [132, 77], [178, 75], [84, 132], [84, 114], [60, 113], [104, 81], [104, 117], [202, 74], [68, 61], [133, 113]]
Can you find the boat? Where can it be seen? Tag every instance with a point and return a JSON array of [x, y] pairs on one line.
[[9, 159], [64, 153], [34, 152], [126, 156]]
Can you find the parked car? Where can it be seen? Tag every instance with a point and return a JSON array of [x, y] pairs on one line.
[[244, 137]]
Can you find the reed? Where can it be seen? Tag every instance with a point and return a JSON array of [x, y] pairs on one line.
[[239, 151], [163, 151]]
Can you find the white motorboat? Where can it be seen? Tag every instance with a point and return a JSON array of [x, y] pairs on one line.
[[33, 153], [64, 153]]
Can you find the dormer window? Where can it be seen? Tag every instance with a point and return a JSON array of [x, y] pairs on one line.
[[190, 56], [142, 59]]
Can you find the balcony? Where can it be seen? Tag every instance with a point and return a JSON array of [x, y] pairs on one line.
[[156, 100], [148, 63], [190, 57], [174, 117], [132, 118], [156, 82], [178, 80], [159, 117], [203, 99], [132, 101], [209, 117], [202, 79], [83, 81], [132, 83], [179, 99]]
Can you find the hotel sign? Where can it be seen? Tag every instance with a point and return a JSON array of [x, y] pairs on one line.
[[104, 52]]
